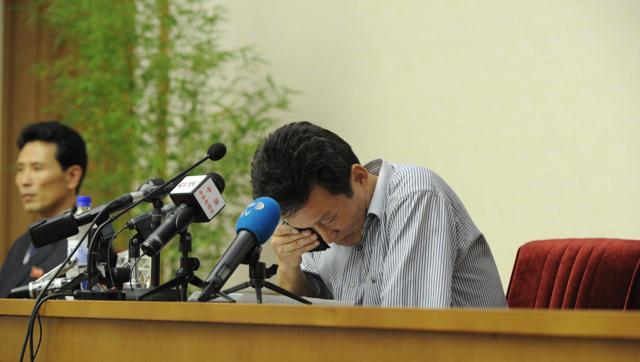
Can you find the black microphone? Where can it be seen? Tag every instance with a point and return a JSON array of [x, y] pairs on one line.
[[254, 226], [142, 223], [150, 186], [47, 231], [141, 220], [123, 201], [198, 198], [216, 151]]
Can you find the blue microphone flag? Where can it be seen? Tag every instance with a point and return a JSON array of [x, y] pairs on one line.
[[260, 218]]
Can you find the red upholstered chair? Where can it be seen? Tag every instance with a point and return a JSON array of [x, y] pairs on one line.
[[576, 273]]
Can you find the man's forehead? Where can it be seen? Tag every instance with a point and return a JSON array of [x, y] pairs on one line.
[[38, 151], [306, 216]]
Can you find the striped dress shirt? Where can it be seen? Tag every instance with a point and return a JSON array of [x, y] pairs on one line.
[[420, 248]]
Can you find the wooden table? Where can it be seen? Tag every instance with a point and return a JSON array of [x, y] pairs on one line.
[[169, 331]]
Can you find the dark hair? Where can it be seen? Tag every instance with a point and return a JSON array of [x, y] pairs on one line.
[[297, 157], [71, 149]]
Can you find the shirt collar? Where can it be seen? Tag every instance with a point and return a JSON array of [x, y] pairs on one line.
[[384, 171]]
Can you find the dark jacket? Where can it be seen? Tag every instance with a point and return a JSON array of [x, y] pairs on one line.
[[15, 274]]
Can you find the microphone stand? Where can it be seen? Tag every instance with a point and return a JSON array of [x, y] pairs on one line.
[[156, 218], [258, 272], [184, 276], [134, 254], [142, 232], [155, 272]]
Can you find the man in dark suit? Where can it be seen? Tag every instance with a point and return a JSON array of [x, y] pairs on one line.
[[50, 167]]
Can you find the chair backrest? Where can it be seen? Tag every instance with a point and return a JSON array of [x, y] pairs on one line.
[[594, 273]]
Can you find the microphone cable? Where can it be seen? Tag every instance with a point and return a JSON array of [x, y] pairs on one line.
[[50, 296], [90, 246], [109, 251], [29, 335], [133, 268]]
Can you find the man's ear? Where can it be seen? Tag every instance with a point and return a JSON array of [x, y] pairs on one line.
[[359, 174], [74, 174]]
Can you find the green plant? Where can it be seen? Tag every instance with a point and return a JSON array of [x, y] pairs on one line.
[[150, 87]]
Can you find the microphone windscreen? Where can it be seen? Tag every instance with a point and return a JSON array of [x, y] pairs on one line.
[[151, 184], [47, 231], [260, 218], [217, 180], [155, 182], [20, 292], [216, 151]]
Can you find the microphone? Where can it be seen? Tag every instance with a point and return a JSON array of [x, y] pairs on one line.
[[47, 231], [143, 223], [34, 288], [254, 226], [215, 152], [150, 186], [122, 201], [198, 198], [143, 219]]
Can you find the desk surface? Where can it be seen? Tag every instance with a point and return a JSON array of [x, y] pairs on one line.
[[449, 332]]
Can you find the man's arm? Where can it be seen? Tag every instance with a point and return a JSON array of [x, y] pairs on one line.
[[293, 280], [418, 267]]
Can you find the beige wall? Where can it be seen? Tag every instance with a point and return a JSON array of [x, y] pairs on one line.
[[530, 110]]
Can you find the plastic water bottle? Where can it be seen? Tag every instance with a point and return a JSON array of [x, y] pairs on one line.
[[83, 204]]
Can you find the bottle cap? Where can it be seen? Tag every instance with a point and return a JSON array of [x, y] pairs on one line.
[[83, 201]]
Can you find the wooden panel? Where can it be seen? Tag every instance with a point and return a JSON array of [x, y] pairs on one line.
[[25, 98], [190, 331], [517, 321]]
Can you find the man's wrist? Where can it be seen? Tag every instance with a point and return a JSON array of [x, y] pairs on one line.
[[289, 270]]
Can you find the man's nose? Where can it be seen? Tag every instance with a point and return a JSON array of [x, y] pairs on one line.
[[24, 178]]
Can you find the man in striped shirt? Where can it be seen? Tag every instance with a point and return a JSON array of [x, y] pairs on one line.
[[399, 235]]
